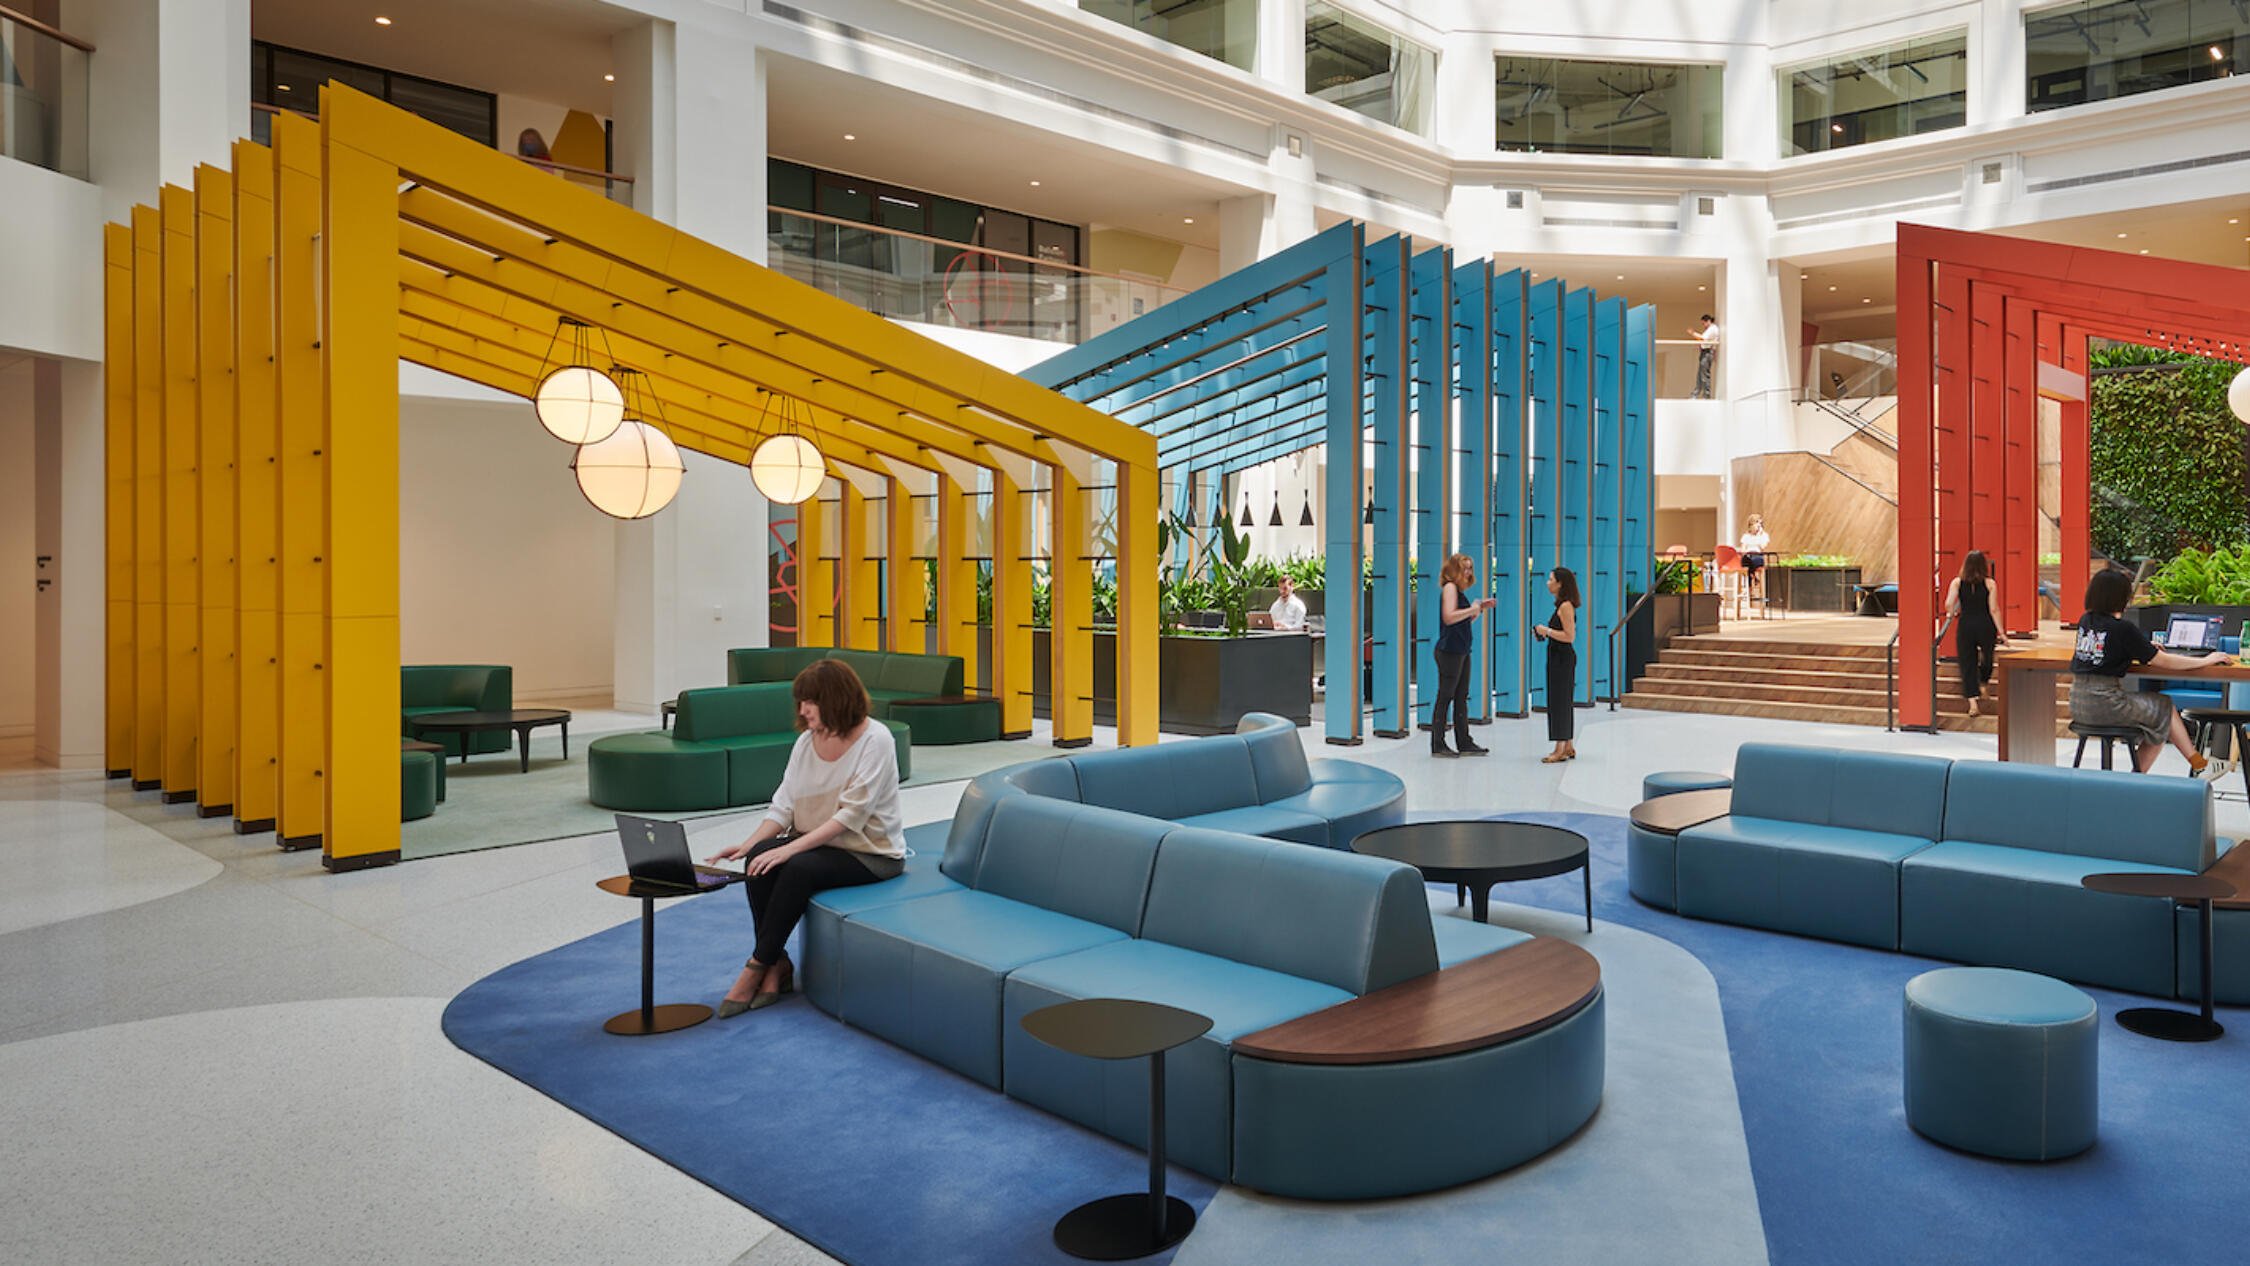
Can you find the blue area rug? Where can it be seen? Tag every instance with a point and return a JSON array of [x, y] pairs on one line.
[[1815, 1030], [875, 1155]]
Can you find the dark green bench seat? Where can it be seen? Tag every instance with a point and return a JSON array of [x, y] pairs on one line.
[[729, 746], [890, 676], [427, 688]]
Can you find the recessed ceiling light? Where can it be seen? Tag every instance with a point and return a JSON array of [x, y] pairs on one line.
[[1832, 287], [1035, 184], [382, 21], [2216, 55], [1188, 220], [2121, 235], [849, 137], [282, 87], [1702, 287], [609, 79], [1621, 276], [2236, 220], [2144, 250], [1867, 301], [1836, 127]]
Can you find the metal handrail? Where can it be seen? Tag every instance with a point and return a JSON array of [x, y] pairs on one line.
[[544, 164], [1616, 684], [26, 20], [1890, 677], [1823, 460], [1053, 265], [1851, 418]]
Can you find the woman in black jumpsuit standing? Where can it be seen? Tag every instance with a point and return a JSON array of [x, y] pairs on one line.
[[1975, 633], [1560, 633]]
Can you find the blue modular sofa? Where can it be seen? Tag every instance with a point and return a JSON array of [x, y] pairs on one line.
[[1973, 861], [1042, 896]]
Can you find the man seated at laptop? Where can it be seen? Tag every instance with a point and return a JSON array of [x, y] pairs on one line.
[[1288, 610], [834, 823]]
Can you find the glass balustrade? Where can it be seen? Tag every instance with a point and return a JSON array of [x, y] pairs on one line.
[[912, 277], [42, 95]]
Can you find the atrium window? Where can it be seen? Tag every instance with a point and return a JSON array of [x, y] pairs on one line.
[[2096, 51], [1904, 90], [1223, 29], [287, 79], [1360, 66], [1555, 105]]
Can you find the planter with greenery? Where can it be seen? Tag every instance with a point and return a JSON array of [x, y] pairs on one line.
[[2198, 582], [1813, 582], [2169, 465], [1676, 608]]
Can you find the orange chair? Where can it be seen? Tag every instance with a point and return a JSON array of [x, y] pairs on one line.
[[1727, 560]]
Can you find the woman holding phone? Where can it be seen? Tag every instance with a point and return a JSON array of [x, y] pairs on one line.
[[1457, 617], [1560, 633]]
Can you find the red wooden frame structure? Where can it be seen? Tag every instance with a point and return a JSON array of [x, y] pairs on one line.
[[1988, 325]]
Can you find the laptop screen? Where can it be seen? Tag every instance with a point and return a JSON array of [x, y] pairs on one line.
[[2191, 633]]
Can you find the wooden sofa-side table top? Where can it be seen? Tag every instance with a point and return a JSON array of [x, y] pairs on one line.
[[1483, 1002]]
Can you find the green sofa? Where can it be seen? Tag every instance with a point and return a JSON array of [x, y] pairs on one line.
[[891, 677], [728, 746], [428, 688]]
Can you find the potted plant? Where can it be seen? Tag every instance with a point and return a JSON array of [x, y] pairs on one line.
[[2198, 582], [1676, 607], [1813, 582]]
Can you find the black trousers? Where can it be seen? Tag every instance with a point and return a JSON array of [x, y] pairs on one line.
[[1974, 648], [778, 898], [1562, 692], [1453, 690]]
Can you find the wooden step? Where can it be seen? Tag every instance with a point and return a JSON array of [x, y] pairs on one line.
[[1832, 714], [1852, 694], [1843, 675], [1779, 646], [1751, 662]]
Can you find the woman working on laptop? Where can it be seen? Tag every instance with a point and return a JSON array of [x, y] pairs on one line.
[[834, 823], [2108, 647]]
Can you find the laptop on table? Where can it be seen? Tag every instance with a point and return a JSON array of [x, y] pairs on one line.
[[2192, 634], [656, 856]]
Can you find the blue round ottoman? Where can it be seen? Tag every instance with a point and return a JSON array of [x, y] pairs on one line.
[[2001, 1063], [1672, 781]]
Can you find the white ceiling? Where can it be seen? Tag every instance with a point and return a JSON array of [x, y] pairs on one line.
[[548, 50]]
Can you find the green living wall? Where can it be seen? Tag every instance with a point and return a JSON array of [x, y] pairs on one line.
[[2169, 458]]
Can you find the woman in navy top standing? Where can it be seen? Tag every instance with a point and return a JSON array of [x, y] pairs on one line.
[[1457, 617], [1560, 633], [2108, 647]]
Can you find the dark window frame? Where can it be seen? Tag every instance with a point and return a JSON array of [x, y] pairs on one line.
[[262, 92]]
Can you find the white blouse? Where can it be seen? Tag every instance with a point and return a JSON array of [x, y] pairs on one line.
[[858, 789]]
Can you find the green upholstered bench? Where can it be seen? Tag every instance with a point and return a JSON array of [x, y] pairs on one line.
[[729, 745], [417, 785], [427, 688], [891, 677]]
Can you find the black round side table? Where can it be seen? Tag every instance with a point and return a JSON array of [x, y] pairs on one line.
[[1118, 1228], [650, 1017]]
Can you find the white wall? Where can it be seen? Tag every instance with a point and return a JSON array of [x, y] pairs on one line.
[[501, 560], [18, 621]]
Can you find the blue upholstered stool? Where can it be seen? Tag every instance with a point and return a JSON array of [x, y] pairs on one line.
[[1676, 780], [2001, 1062]]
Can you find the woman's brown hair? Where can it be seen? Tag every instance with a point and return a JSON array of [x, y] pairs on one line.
[[831, 686], [1566, 587], [1455, 572], [1975, 567]]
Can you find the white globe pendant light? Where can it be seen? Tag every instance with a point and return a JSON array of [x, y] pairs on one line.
[[636, 470], [2238, 395], [787, 469], [577, 403]]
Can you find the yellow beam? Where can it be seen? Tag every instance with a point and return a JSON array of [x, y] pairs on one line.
[[1011, 604], [1070, 611], [182, 515], [1139, 504], [302, 511], [215, 532], [257, 629], [859, 598], [118, 498], [909, 594], [359, 344], [957, 579], [148, 499], [817, 518]]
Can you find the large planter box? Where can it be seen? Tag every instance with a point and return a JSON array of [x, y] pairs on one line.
[[1675, 614], [1813, 588], [1205, 684]]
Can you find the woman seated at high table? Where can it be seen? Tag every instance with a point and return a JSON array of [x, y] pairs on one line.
[[834, 823], [2109, 646]]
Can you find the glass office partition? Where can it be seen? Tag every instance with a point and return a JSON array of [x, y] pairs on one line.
[[2096, 51], [1903, 90], [1363, 67], [1566, 106], [1223, 29]]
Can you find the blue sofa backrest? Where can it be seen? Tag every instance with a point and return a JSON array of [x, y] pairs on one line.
[[1170, 780], [1866, 791], [1277, 757], [1357, 923], [1054, 779], [2129, 817], [1076, 859]]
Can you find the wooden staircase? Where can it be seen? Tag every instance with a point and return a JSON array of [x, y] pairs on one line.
[[1790, 681]]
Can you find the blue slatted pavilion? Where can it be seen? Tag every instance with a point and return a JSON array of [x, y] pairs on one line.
[[1442, 387]]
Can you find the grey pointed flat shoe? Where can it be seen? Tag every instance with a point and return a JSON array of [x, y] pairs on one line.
[[729, 1008]]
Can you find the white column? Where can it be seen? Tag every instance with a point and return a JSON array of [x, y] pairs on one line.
[[1281, 42], [643, 133], [170, 89], [1996, 62], [68, 460], [1464, 113]]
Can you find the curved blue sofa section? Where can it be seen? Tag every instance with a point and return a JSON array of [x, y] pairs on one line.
[[1974, 861], [1036, 894]]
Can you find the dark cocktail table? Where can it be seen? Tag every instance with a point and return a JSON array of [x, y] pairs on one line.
[[2164, 1023], [1115, 1228], [522, 720], [1476, 855], [649, 1018]]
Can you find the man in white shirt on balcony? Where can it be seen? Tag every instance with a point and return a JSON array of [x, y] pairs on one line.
[[1706, 356]]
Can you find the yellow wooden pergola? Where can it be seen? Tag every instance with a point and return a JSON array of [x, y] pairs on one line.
[[255, 325]]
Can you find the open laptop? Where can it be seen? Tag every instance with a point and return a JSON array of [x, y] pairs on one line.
[[2192, 634], [656, 853], [1261, 619]]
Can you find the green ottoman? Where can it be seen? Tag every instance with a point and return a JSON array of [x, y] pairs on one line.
[[638, 772], [417, 785]]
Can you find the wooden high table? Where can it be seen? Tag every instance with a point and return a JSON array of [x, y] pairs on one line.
[[2028, 689]]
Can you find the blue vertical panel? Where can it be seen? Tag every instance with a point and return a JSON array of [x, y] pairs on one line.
[[1388, 363], [1344, 618], [1574, 493], [1638, 495], [1544, 460], [1508, 628], [1605, 597], [1432, 348], [1471, 459]]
